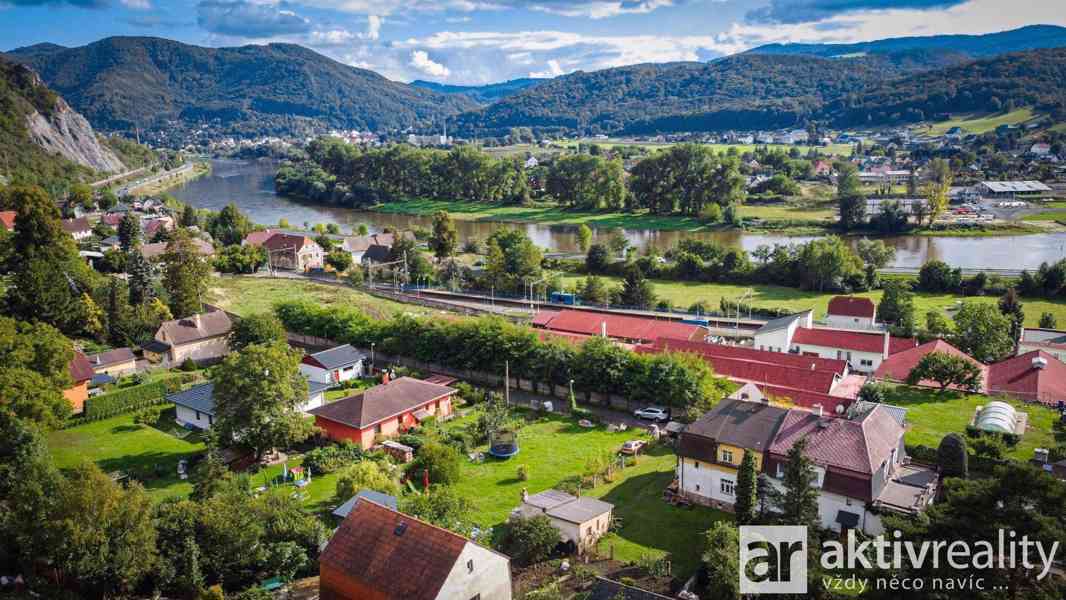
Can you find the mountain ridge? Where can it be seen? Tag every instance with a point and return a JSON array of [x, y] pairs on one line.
[[482, 94]]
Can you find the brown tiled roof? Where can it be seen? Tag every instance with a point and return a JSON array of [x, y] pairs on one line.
[[749, 425], [76, 225], [150, 251], [80, 369], [256, 238], [852, 306], [111, 357], [855, 445], [286, 241], [194, 328], [381, 402], [7, 219], [387, 554]]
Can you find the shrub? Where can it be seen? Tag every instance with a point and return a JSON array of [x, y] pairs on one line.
[[571, 485], [530, 540], [872, 392], [523, 473], [333, 457], [366, 475], [131, 398], [413, 440], [951, 456], [442, 462], [188, 365]]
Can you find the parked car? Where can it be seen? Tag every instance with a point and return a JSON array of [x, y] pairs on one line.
[[653, 413], [633, 446]]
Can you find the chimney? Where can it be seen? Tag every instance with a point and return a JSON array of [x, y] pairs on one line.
[[884, 353], [603, 328], [817, 409], [1039, 362], [1040, 455]]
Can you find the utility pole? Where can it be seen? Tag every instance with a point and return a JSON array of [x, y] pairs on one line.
[[507, 382]]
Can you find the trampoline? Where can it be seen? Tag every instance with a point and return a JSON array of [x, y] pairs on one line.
[[503, 443]]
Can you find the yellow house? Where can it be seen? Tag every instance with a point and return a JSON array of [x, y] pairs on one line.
[[711, 449]]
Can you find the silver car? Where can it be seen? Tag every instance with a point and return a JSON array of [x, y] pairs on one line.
[[653, 413]]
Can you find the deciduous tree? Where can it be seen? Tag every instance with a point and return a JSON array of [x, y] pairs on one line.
[[444, 240], [982, 332], [948, 370], [185, 275]]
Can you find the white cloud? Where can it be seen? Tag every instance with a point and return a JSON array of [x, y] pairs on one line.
[[599, 9], [373, 27], [137, 4], [420, 60], [553, 70]]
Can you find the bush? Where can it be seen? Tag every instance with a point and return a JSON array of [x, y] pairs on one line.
[[331, 458], [413, 440], [149, 416], [872, 392], [530, 540], [442, 462], [131, 398], [523, 473], [571, 485], [951, 456], [188, 365]]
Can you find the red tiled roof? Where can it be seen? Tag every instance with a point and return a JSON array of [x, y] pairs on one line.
[[898, 366], [807, 363], [386, 554], [898, 344], [852, 306], [858, 341], [280, 241], [256, 238], [543, 317], [80, 368], [860, 446], [7, 219], [621, 326], [1018, 377], [382, 402]]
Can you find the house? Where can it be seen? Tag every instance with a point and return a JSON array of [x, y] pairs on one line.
[[384, 410], [7, 219], [79, 228], [776, 334], [1035, 376], [81, 373], [359, 246], [335, 365], [116, 363], [152, 227], [155, 251], [899, 366], [711, 448], [383, 554], [202, 337], [293, 252], [630, 329], [861, 467], [1012, 190], [863, 351], [390, 502], [581, 521], [823, 168], [851, 312], [1040, 149], [196, 405], [1052, 341], [256, 238]]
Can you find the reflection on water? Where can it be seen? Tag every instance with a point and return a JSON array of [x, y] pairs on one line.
[[250, 185]]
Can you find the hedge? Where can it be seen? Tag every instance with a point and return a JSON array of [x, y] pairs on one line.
[[133, 398]]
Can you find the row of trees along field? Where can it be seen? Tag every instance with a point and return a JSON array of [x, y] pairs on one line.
[[684, 179]]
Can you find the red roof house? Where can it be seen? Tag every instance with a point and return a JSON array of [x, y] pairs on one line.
[[384, 410], [81, 372], [899, 366], [256, 238], [852, 306], [1034, 377], [623, 327]]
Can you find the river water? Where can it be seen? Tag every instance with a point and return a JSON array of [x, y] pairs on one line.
[[250, 185]]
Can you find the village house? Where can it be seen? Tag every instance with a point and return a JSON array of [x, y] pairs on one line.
[[851, 312], [1036, 376], [861, 467], [116, 363], [202, 337], [293, 252], [79, 228], [1051, 341], [383, 554], [335, 365], [256, 238], [381, 243], [156, 250], [711, 448], [776, 334], [864, 351], [898, 367], [196, 406], [384, 410], [81, 373], [580, 521]]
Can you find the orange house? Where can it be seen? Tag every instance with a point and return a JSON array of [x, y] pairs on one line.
[[384, 410], [81, 372]]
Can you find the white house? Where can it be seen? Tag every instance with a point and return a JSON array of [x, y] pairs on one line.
[[863, 351], [776, 335], [851, 312], [335, 365], [580, 521], [195, 407]]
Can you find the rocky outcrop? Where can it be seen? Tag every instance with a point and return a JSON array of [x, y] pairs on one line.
[[69, 134]]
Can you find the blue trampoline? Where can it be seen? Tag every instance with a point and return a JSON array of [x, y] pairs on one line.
[[503, 444]]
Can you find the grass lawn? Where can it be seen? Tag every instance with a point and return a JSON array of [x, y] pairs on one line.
[[932, 415], [684, 293], [554, 448], [119, 444], [977, 123], [786, 212], [1047, 215], [252, 295]]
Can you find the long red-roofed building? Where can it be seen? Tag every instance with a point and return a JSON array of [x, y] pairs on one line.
[[631, 329], [899, 366], [1035, 376], [864, 351]]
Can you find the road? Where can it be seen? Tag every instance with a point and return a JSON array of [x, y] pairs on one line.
[[156, 178]]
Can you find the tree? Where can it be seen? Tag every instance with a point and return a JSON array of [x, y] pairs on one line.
[[81, 194], [30, 396], [744, 507], [107, 200], [721, 558], [262, 328], [937, 324], [129, 232], [584, 237], [1011, 307], [827, 263], [229, 226], [593, 291], [442, 462], [531, 540], [175, 523], [875, 253], [872, 392], [597, 259], [937, 276], [140, 279], [939, 187], [897, 305], [982, 332], [637, 291], [441, 506], [951, 456], [366, 475], [799, 500], [948, 370], [185, 275], [1048, 321], [240, 259], [340, 260], [444, 240], [37, 347], [618, 243], [512, 260], [188, 217], [685, 178], [851, 202], [258, 394]]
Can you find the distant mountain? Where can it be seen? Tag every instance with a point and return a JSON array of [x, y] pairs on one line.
[[482, 94], [974, 46], [43, 141], [150, 83]]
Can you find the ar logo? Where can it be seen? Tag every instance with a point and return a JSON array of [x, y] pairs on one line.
[[773, 559]]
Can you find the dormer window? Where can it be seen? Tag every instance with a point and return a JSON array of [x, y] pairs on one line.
[[470, 566]]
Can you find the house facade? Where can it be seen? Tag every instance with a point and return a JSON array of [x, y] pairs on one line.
[[851, 312], [116, 363], [384, 411], [202, 338], [291, 252], [381, 554], [776, 334], [81, 373], [335, 365], [580, 521]]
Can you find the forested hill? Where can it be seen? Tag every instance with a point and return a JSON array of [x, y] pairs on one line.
[[122, 82], [482, 94], [975, 46], [737, 92]]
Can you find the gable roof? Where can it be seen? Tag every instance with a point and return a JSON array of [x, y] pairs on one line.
[[744, 353], [852, 306], [859, 341], [381, 402], [391, 555], [337, 357], [385, 500], [899, 365], [287, 241], [782, 322], [195, 328], [860, 445], [79, 225], [1018, 376], [200, 398], [748, 425], [150, 251], [256, 238], [80, 368], [580, 510], [621, 326], [7, 219], [111, 357]]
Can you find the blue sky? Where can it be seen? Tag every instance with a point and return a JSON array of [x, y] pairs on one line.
[[481, 41]]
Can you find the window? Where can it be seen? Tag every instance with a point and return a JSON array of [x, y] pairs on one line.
[[840, 355], [780, 471], [727, 456], [727, 487], [377, 429], [695, 464], [470, 566], [866, 362], [847, 501], [197, 415], [744, 396], [697, 487]]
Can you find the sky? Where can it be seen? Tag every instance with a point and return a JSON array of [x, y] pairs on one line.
[[485, 41]]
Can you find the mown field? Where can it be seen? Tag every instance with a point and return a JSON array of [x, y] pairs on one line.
[[979, 123], [252, 295]]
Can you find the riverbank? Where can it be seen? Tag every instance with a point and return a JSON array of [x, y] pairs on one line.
[[162, 182]]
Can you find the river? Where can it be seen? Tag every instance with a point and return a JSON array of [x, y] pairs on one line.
[[250, 185]]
